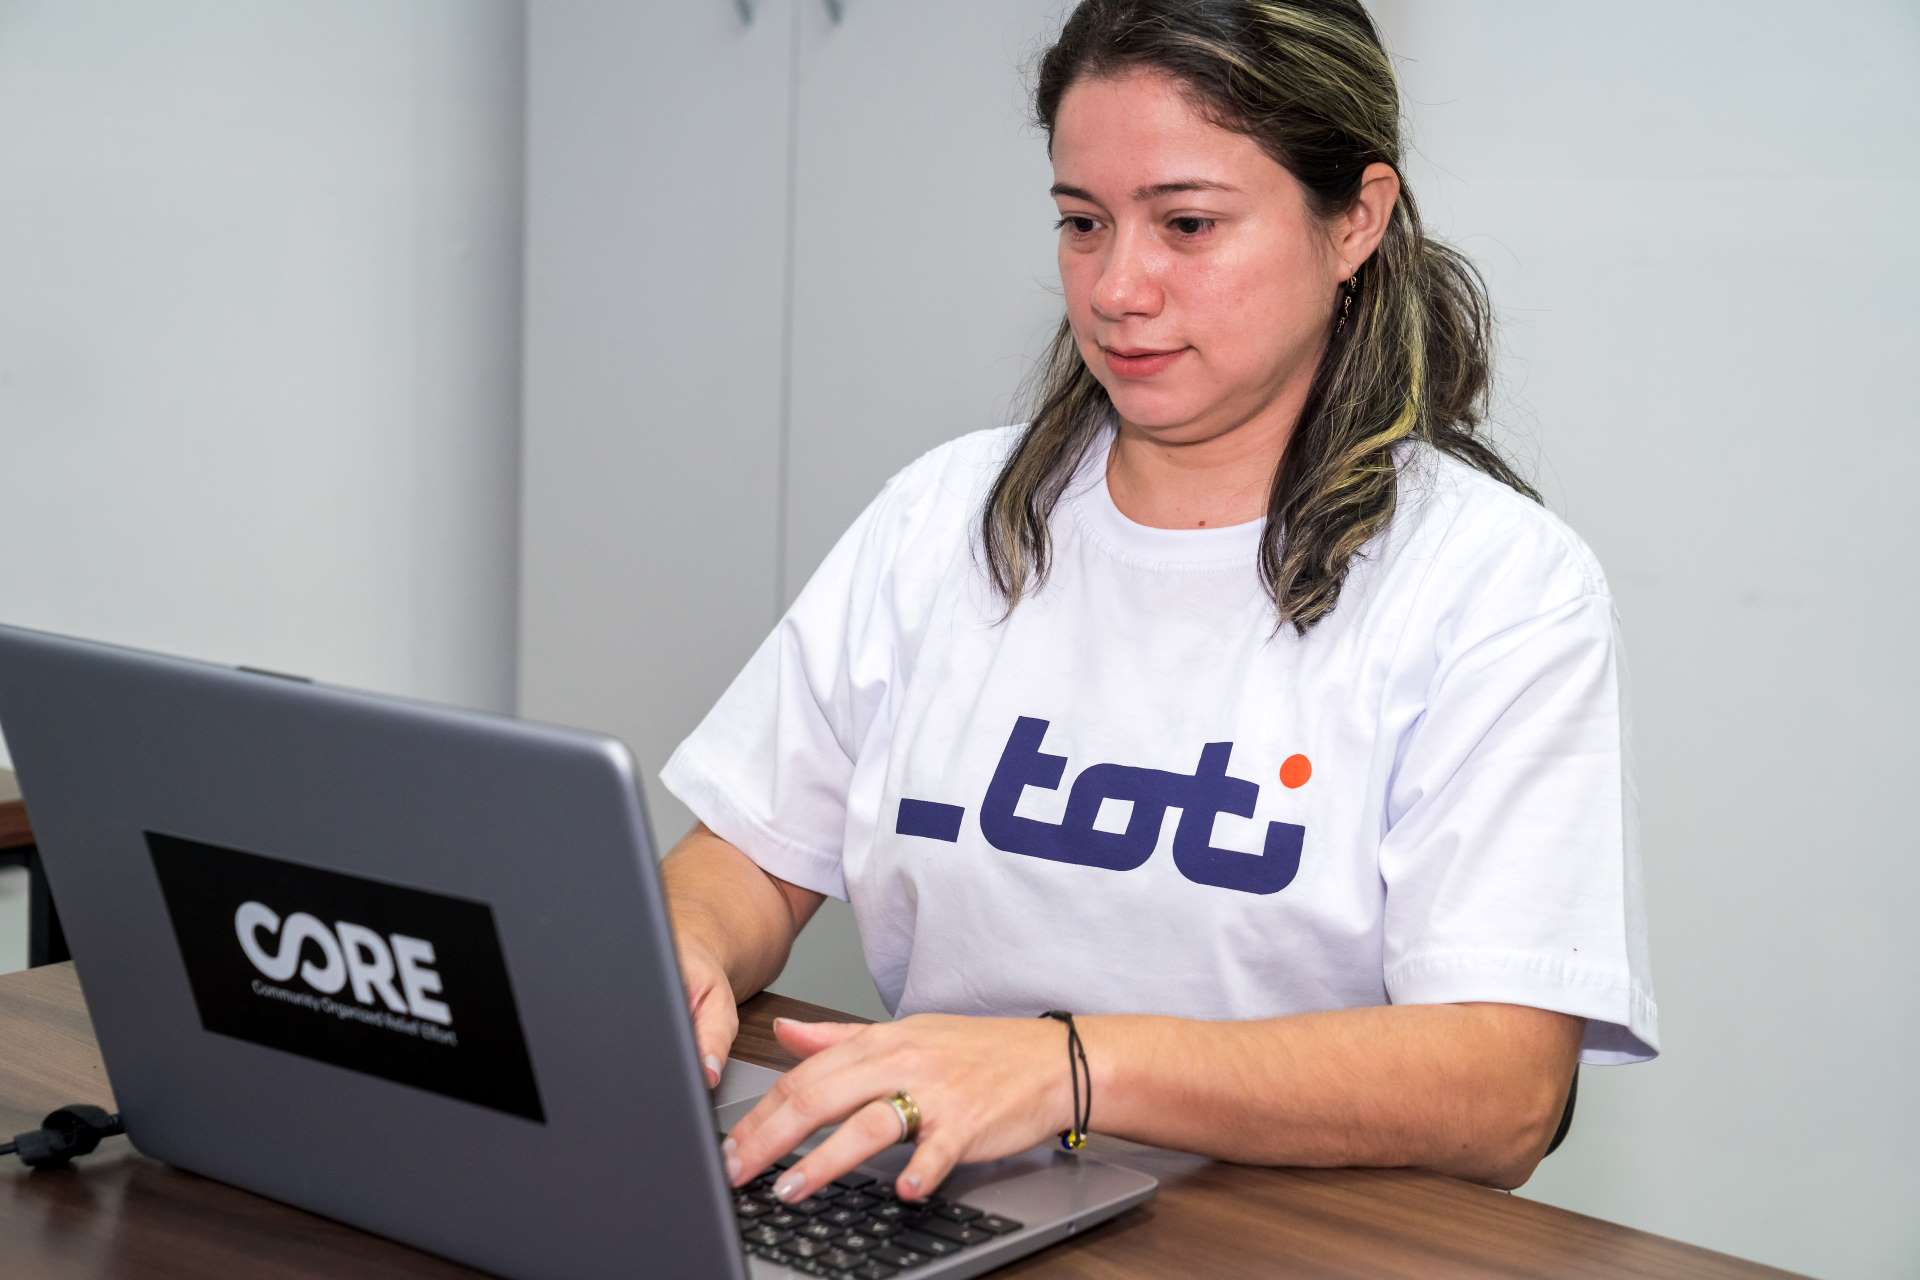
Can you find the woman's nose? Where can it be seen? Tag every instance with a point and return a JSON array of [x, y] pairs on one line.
[[1127, 283]]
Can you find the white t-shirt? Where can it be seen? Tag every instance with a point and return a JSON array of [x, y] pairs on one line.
[[1135, 795]]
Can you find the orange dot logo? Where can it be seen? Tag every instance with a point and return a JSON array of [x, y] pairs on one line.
[[1295, 771]]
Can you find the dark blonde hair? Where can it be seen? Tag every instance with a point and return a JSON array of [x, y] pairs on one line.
[[1309, 82]]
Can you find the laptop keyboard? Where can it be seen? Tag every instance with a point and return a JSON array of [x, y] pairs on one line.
[[855, 1228]]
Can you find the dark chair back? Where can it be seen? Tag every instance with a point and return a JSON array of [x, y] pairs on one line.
[[1566, 1116]]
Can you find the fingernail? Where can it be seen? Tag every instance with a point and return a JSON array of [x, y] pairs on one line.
[[712, 1064], [733, 1168], [729, 1147], [788, 1188], [778, 1021], [913, 1183]]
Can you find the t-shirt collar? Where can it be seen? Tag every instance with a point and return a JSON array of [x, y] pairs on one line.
[[1092, 504]]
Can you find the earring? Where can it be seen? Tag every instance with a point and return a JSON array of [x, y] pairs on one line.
[[1348, 290]]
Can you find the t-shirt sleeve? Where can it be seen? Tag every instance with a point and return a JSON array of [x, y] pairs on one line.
[[769, 767], [1510, 858]]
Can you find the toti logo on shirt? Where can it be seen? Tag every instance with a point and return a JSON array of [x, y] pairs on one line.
[[1199, 796]]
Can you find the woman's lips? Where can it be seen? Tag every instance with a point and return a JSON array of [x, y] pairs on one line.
[[1140, 366]]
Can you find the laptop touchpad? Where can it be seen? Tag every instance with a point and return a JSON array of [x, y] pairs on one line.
[[741, 1081]]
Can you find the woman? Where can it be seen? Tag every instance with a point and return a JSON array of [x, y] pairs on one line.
[[1243, 704]]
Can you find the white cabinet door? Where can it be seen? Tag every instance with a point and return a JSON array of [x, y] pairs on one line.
[[924, 276], [657, 162], [676, 494], [924, 282]]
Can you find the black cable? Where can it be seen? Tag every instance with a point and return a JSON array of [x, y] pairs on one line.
[[65, 1134], [1076, 1137]]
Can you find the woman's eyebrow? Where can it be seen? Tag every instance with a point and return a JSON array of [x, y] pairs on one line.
[[1142, 194]]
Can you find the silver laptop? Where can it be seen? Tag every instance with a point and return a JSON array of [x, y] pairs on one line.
[[409, 967]]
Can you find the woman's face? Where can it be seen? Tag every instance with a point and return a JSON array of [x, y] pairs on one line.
[[1183, 238]]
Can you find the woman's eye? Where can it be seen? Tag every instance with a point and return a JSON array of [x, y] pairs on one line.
[[1191, 228]]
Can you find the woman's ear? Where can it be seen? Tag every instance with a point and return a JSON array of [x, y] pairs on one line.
[[1358, 231]]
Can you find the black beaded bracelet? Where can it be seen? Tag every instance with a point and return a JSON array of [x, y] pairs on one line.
[[1075, 1138]]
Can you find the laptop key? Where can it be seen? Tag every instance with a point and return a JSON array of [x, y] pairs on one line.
[[780, 1218], [892, 1211], [856, 1242], [818, 1230], [932, 1246], [875, 1271], [953, 1231], [809, 1207], [745, 1208], [828, 1192], [842, 1217], [998, 1225], [902, 1258], [958, 1212], [841, 1259], [852, 1181], [878, 1230], [852, 1200], [769, 1236]]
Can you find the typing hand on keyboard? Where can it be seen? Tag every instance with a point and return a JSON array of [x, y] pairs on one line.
[[984, 1087]]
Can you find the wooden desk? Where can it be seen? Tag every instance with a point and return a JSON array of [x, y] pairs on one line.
[[118, 1213]]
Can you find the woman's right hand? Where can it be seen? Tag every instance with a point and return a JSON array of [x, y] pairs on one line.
[[729, 918], [716, 1018]]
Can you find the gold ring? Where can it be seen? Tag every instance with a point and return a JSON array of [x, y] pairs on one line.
[[909, 1113]]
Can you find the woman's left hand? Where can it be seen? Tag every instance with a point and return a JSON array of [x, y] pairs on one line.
[[986, 1088]]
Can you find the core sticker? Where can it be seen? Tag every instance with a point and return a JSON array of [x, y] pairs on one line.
[[379, 978]]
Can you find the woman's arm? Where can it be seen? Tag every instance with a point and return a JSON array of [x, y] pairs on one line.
[[722, 902], [1473, 1090]]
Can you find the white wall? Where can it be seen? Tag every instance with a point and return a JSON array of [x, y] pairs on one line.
[[1697, 223], [259, 333], [657, 182]]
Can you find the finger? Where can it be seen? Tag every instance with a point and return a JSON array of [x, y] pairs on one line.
[[823, 1090], [804, 1039], [933, 1159], [866, 1133], [716, 1021]]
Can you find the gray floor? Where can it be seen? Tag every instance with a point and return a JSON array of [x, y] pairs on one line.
[[13, 919]]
